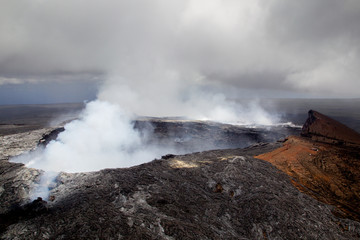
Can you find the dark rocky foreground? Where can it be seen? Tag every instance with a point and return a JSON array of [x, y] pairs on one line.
[[218, 194]]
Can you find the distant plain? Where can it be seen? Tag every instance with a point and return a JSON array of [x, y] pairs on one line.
[[22, 118]]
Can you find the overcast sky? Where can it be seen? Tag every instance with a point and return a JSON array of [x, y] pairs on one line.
[[66, 50]]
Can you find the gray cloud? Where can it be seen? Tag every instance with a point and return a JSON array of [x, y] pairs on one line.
[[315, 22], [309, 47]]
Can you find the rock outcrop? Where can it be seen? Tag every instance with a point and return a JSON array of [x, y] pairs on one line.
[[323, 163], [324, 129]]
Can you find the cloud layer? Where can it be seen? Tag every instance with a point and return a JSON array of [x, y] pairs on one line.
[[309, 47]]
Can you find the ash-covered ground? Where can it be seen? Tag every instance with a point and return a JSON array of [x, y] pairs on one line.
[[215, 194]]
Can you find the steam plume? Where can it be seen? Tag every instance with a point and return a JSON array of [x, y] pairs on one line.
[[103, 137], [165, 61]]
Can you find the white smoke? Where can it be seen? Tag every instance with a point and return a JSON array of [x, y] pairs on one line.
[[103, 137], [41, 189], [169, 94], [163, 64]]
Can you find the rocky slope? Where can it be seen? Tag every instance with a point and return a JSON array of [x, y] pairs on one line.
[[324, 163], [217, 194], [223, 194]]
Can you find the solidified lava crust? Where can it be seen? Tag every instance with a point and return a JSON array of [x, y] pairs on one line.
[[216, 194]]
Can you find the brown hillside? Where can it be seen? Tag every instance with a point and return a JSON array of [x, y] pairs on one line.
[[325, 164]]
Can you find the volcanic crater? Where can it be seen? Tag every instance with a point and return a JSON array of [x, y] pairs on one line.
[[251, 187]]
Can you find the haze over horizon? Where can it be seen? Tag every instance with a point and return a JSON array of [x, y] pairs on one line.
[[66, 51]]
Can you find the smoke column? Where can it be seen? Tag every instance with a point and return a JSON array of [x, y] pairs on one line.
[[104, 135], [159, 62]]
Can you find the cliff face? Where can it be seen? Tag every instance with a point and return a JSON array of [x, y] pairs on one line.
[[323, 163], [324, 129]]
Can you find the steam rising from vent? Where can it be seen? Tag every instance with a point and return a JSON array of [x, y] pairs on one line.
[[161, 58], [146, 75], [167, 94], [103, 137]]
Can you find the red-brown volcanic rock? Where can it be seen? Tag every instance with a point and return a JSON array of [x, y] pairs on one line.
[[324, 129], [324, 164]]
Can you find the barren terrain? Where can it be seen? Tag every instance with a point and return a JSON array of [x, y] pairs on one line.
[[214, 194]]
